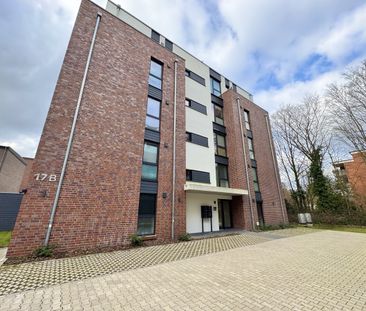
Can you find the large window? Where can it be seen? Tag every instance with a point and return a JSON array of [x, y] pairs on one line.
[[222, 179], [155, 76], [215, 87], [251, 148], [150, 162], [220, 144], [146, 218], [246, 120], [255, 179], [153, 114], [218, 114]]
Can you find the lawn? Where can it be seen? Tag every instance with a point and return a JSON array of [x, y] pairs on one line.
[[4, 238], [357, 229]]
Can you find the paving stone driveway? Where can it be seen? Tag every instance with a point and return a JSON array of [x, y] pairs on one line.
[[320, 271]]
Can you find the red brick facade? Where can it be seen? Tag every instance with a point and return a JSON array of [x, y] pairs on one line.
[[273, 210], [98, 206], [99, 201]]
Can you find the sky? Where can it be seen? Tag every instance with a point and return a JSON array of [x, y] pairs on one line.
[[277, 50]]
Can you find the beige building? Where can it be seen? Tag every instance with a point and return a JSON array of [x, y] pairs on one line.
[[12, 168]]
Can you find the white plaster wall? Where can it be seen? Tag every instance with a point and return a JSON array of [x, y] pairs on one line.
[[193, 211], [128, 18]]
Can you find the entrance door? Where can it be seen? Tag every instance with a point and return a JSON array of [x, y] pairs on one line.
[[224, 214]]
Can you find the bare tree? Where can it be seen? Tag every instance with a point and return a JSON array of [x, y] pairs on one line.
[[347, 103]]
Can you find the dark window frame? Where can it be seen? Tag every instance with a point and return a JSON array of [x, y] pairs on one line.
[[151, 163], [212, 80], [153, 60], [152, 116], [219, 179], [139, 216], [251, 148], [217, 146], [190, 173], [190, 103], [214, 106], [255, 179], [197, 139], [247, 122]]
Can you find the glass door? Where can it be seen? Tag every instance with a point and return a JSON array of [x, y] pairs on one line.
[[224, 214]]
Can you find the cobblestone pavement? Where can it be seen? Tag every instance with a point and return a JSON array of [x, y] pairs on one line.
[[324, 270], [39, 274]]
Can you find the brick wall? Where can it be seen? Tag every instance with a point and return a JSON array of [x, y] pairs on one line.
[[356, 173], [99, 200], [266, 167]]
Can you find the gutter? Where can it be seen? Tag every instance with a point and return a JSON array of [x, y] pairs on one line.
[[174, 147], [72, 132]]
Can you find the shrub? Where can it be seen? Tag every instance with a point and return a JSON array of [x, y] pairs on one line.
[[185, 237], [136, 240], [44, 251]]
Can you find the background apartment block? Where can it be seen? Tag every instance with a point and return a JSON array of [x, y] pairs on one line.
[[163, 145]]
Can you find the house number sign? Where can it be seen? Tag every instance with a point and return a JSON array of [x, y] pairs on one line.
[[45, 177]]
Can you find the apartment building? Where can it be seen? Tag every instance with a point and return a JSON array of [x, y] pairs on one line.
[[142, 137], [353, 173]]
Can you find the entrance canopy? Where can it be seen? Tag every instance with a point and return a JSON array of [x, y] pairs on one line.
[[195, 187]]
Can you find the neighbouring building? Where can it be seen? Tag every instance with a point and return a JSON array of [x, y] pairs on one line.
[[142, 137], [353, 173], [12, 169]]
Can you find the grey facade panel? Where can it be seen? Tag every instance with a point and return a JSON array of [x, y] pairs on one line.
[[203, 177], [150, 187], [155, 93], [215, 75], [221, 160], [217, 100], [155, 36], [9, 208], [195, 77], [169, 45], [152, 135], [199, 140], [198, 107], [218, 128]]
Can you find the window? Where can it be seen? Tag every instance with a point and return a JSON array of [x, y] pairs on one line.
[[153, 114], [155, 75], [246, 120], [146, 218], [197, 139], [150, 162], [198, 176], [218, 114], [251, 149], [196, 106], [222, 179], [255, 179], [220, 145], [215, 87]]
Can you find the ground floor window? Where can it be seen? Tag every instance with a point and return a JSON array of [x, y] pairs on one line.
[[146, 218], [222, 179]]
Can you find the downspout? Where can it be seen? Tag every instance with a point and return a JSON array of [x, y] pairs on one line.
[[69, 143], [246, 164], [174, 147], [275, 167]]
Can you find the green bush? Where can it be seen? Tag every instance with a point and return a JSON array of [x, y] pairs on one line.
[[136, 240], [44, 251], [185, 237]]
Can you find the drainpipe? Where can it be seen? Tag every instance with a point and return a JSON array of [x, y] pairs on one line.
[[275, 167], [69, 143], [174, 147], [245, 163]]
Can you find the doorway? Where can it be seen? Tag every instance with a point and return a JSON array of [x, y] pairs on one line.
[[225, 221]]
